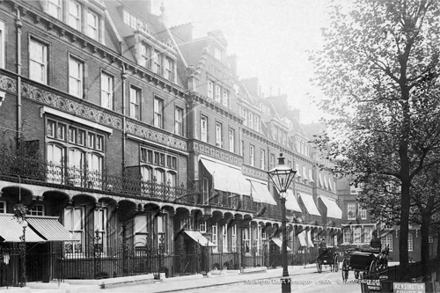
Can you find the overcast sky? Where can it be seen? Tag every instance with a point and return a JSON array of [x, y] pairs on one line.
[[270, 38]]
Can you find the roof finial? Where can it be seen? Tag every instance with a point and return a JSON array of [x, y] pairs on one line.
[[162, 7]]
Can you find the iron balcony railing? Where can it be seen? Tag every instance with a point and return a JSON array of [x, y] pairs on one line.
[[37, 171]]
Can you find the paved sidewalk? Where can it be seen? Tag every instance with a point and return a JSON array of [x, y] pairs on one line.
[[155, 286], [170, 285]]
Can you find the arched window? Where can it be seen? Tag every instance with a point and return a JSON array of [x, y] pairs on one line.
[[76, 163], [147, 173], [94, 166], [172, 178], [55, 158], [160, 176], [389, 241], [410, 242]]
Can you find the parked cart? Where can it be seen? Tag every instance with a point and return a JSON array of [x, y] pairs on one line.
[[365, 261], [328, 256]]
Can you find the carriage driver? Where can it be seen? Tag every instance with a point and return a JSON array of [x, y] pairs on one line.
[[375, 242]]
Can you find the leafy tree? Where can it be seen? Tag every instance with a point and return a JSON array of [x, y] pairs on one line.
[[379, 74]]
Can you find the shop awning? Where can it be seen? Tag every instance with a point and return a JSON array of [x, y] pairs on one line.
[[333, 210], [199, 238], [279, 243], [260, 193], [49, 228], [310, 204], [309, 239], [227, 178], [11, 230], [302, 239], [291, 202]]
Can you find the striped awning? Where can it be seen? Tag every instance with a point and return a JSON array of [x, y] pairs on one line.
[[310, 204], [291, 202], [199, 238], [279, 243], [12, 231], [49, 228], [260, 193], [227, 178], [333, 210]]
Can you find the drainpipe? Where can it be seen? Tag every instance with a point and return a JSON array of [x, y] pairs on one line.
[[18, 25], [123, 88]]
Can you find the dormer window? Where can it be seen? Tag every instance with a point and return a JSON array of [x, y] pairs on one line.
[[54, 8], [169, 69], [146, 51], [75, 15], [157, 59], [92, 25], [217, 54]]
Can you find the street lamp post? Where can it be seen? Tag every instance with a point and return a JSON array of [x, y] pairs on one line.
[[24, 224], [282, 176]]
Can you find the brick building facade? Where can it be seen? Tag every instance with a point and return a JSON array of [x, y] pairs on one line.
[[141, 148]]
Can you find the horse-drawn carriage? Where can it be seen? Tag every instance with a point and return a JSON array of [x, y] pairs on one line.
[[365, 261], [327, 256]]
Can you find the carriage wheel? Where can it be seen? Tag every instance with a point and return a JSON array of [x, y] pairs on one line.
[[344, 270], [319, 265], [373, 267], [356, 275], [335, 264]]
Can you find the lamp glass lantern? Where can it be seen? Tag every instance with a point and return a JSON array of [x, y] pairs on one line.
[[282, 176]]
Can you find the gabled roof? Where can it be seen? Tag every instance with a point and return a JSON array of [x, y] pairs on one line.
[[218, 36]]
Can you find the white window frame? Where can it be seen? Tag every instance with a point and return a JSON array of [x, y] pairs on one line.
[[39, 63], [100, 222], [246, 238], [231, 140], [92, 25], [214, 238], [357, 235], [146, 52], [74, 222], [351, 207], [157, 62], [202, 227], [76, 77], [252, 155], [178, 121], [169, 68], [55, 8], [362, 213], [75, 16], [37, 210], [141, 232], [218, 134], [135, 97], [263, 159], [225, 100], [210, 89], [218, 93], [107, 82], [225, 245], [204, 128], [234, 238], [368, 231], [158, 112], [346, 235], [388, 241]]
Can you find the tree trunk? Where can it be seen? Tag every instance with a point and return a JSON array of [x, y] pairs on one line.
[[403, 237], [424, 231]]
